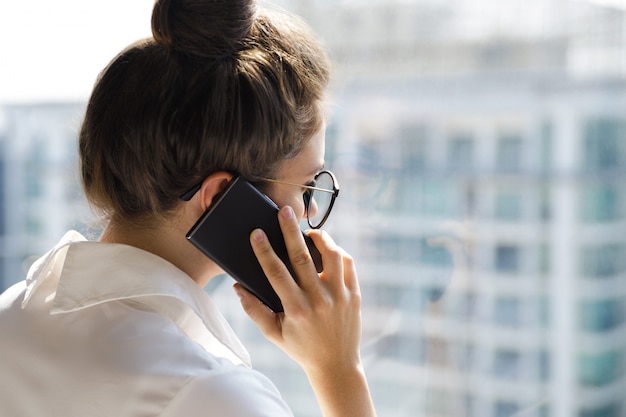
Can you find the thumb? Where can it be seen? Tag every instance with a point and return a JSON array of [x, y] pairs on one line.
[[258, 312]]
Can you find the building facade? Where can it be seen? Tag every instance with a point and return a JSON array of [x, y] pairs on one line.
[[482, 149], [40, 196]]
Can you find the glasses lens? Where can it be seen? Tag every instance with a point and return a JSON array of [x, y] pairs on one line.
[[321, 201]]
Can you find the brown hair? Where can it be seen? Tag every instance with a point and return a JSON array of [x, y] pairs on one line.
[[222, 85]]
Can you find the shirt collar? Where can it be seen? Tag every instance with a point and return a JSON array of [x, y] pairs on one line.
[[92, 273]]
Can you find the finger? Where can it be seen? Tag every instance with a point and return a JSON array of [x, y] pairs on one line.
[[299, 254], [331, 256], [275, 270], [258, 312], [350, 275]]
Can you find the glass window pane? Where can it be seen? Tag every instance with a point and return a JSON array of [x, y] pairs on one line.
[[461, 153], [509, 153], [600, 369], [508, 311], [602, 203], [413, 140], [505, 409], [601, 315], [602, 261], [604, 144], [609, 410], [507, 364], [507, 259], [508, 205]]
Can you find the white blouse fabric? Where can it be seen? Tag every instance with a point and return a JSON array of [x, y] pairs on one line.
[[101, 329]]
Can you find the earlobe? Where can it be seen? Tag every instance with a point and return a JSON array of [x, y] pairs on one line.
[[212, 187]]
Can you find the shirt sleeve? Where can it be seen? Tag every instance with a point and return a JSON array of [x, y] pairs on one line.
[[232, 392]]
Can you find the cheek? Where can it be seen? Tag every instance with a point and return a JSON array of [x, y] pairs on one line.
[[284, 198], [298, 207], [296, 202]]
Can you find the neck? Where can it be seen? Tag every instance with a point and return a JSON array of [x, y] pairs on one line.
[[167, 241]]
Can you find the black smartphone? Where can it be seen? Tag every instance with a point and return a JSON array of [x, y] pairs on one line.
[[223, 234]]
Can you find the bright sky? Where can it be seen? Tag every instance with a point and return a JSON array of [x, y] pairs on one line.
[[53, 50]]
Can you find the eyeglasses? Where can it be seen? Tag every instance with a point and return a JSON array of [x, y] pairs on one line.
[[319, 196]]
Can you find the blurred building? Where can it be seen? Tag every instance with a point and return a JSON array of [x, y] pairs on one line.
[[482, 151], [40, 197], [490, 233]]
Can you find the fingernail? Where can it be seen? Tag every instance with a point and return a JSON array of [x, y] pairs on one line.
[[258, 235], [238, 292], [287, 212]]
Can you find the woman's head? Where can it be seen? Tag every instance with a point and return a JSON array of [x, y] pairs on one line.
[[222, 85]]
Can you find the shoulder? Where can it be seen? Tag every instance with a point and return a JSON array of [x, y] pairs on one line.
[[230, 391]]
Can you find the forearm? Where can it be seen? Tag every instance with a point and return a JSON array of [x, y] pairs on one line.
[[342, 392]]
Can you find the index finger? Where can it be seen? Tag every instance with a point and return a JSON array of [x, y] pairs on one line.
[[273, 267]]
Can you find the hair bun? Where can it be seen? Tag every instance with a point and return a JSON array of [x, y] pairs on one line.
[[202, 28]]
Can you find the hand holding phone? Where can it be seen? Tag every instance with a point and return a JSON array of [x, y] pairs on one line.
[[321, 326], [223, 234]]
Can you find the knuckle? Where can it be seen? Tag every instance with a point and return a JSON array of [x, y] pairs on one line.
[[272, 266], [301, 257], [275, 270], [325, 308], [300, 312], [355, 299], [348, 260], [263, 250], [336, 252]]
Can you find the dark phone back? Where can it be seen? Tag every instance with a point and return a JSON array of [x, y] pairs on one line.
[[223, 234]]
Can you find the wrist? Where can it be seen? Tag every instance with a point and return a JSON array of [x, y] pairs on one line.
[[332, 386]]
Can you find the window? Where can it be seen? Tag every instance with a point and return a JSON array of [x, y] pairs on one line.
[[509, 153], [610, 410], [397, 295], [437, 198], [601, 203], [432, 252], [34, 183], [466, 357], [508, 205], [410, 249], [413, 143], [600, 369], [461, 153], [507, 259], [604, 144], [508, 311], [506, 364], [396, 248], [505, 409], [405, 348], [598, 316], [602, 261]]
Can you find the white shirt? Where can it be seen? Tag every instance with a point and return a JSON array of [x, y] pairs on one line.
[[100, 329]]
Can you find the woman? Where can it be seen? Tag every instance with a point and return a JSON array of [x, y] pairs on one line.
[[122, 326]]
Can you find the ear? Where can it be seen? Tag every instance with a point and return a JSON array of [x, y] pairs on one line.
[[212, 186]]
